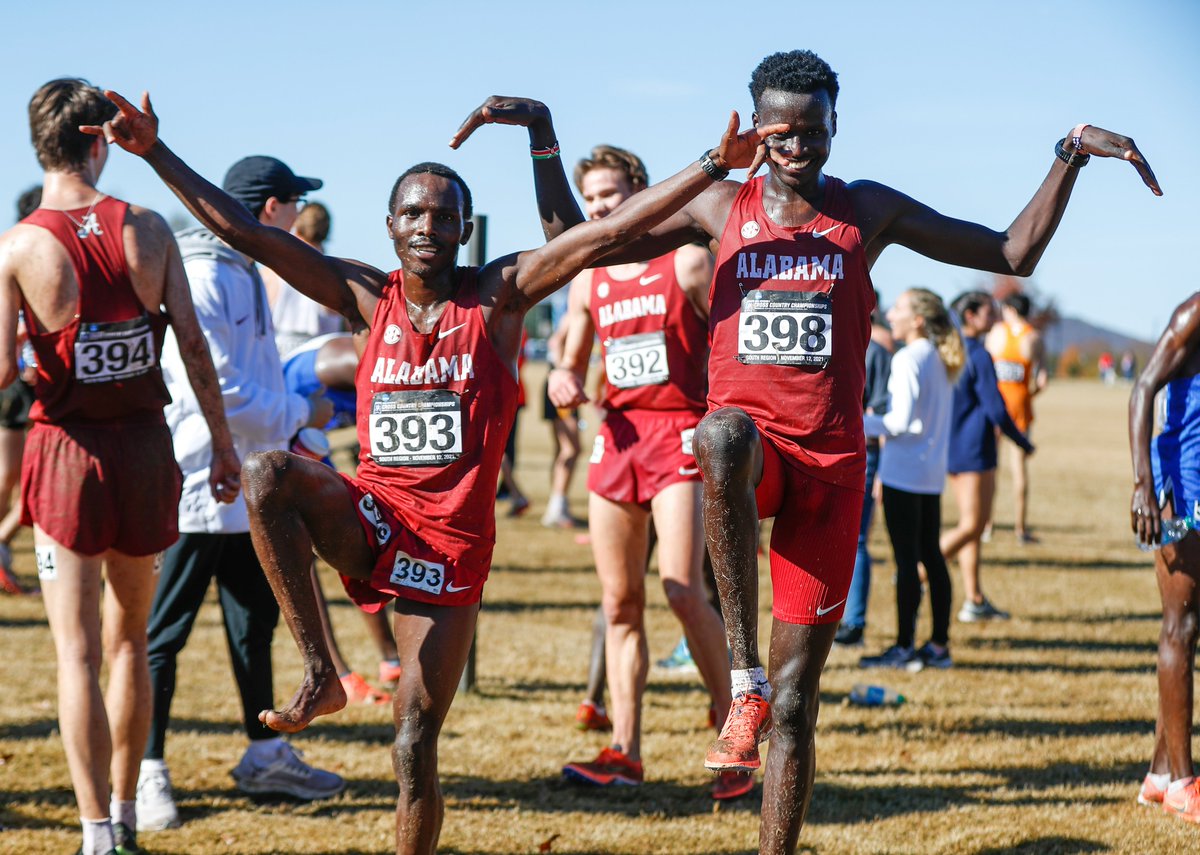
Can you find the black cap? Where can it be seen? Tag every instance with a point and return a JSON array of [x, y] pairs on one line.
[[254, 180]]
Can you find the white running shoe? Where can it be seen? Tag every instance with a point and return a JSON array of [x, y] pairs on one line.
[[155, 800], [286, 774]]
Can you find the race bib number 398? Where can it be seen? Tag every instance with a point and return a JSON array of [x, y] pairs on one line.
[[416, 428], [113, 351], [415, 573], [785, 328], [636, 360]]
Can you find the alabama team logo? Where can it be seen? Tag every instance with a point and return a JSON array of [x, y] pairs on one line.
[[391, 335], [89, 226], [749, 229]]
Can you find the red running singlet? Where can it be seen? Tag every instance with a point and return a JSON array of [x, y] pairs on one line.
[[789, 324], [434, 413], [653, 343], [103, 366]]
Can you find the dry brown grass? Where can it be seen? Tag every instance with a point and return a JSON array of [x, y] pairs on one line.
[[1035, 742]]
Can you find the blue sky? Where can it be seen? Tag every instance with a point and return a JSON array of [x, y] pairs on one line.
[[957, 104]]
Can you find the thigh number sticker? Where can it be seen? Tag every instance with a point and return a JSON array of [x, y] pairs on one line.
[[415, 573], [416, 428], [785, 328], [114, 351], [636, 360]]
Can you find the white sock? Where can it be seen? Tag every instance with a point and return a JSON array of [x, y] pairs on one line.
[[556, 505], [124, 812], [97, 836], [149, 765], [745, 681], [1161, 781], [1176, 786], [263, 751]]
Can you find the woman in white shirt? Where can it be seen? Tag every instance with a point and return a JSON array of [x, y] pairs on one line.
[[912, 469]]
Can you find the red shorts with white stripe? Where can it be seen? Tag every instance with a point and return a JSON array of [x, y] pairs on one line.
[[639, 453], [813, 540], [405, 566]]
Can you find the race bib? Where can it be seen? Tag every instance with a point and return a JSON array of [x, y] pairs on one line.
[[636, 360], [415, 573], [113, 351], [416, 428], [1010, 372], [785, 328]]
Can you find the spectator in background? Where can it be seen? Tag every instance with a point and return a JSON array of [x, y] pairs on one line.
[[1020, 360], [15, 401], [912, 468], [1128, 366], [977, 411], [875, 400]]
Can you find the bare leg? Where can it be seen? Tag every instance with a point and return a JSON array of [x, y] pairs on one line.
[[335, 653], [127, 599], [380, 631], [73, 610], [798, 655], [434, 642], [1020, 475], [566, 435], [681, 566], [12, 446], [1178, 570], [619, 548], [297, 505], [973, 492], [596, 661], [729, 453]]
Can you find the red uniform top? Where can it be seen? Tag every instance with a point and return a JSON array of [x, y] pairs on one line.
[[653, 343], [104, 366], [790, 322], [434, 412]]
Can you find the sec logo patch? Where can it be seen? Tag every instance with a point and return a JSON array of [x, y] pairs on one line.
[[391, 335], [749, 229]]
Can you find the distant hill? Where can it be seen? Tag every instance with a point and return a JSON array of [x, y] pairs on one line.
[[1090, 339]]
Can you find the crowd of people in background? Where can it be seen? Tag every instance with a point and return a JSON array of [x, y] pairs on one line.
[[232, 348]]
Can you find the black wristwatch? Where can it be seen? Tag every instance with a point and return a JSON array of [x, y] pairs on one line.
[[1076, 159], [713, 171]]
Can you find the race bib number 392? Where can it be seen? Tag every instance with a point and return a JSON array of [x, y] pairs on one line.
[[636, 360], [419, 428], [785, 328], [113, 351]]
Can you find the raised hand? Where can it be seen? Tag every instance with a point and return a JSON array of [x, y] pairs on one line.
[[132, 129], [501, 110], [1104, 143], [739, 151]]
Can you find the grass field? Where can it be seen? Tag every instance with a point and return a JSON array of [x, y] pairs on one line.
[[1034, 742]]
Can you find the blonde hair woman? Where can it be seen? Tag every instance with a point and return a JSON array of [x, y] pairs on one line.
[[912, 469]]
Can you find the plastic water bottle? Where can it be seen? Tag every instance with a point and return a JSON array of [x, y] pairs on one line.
[[312, 443], [875, 696], [1173, 531]]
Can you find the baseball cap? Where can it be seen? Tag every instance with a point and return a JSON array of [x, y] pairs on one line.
[[254, 180]]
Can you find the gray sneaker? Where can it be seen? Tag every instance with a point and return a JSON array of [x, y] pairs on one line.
[[286, 774], [972, 612], [155, 801]]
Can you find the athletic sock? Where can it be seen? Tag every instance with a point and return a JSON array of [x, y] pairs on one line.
[[124, 812], [1178, 785], [150, 765], [556, 505], [97, 836], [744, 681], [1161, 781]]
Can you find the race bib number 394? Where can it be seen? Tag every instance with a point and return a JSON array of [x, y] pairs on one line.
[[636, 360], [785, 328], [419, 428], [113, 351], [415, 573]]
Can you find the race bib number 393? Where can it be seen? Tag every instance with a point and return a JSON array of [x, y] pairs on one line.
[[419, 428], [785, 328], [636, 360], [415, 573], [113, 351]]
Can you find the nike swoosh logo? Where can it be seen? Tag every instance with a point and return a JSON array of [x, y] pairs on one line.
[[451, 588], [444, 333], [685, 471], [821, 611], [646, 280], [241, 320], [817, 234]]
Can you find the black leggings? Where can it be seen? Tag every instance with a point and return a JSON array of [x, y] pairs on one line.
[[914, 522]]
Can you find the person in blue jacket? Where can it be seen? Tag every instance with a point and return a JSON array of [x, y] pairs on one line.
[[976, 412]]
